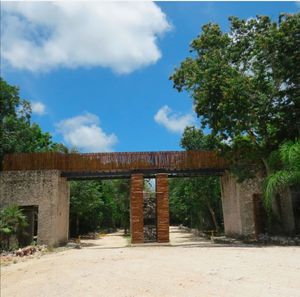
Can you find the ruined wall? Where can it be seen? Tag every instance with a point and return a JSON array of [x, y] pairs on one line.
[[283, 211], [231, 206], [63, 210], [46, 189], [238, 208]]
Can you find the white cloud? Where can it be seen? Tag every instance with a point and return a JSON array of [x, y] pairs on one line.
[[40, 36], [84, 132], [38, 108], [174, 122]]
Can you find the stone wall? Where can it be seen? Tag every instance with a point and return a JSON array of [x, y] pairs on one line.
[[238, 207], [45, 189], [162, 202], [136, 208], [283, 211], [149, 217]]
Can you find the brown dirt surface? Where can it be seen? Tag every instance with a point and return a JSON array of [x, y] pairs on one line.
[[188, 267]]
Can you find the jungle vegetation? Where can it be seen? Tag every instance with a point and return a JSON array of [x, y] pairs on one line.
[[245, 86]]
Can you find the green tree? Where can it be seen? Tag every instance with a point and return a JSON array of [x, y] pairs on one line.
[[180, 209], [285, 170], [85, 206], [17, 133], [196, 201], [96, 205], [122, 200], [245, 86], [93, 204], [12, 222]]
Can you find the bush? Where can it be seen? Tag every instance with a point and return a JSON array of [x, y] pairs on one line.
[[12, 222]]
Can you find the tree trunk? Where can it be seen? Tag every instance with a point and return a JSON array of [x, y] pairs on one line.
[[77, 225], [213, 215], [267, 168]]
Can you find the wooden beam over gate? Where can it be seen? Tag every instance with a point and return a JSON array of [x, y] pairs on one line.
[[118, 164]]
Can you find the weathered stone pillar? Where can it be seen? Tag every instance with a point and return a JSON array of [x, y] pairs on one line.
[[285, 214], [162, 206], [46, 190], [238, 206], [136, 208]]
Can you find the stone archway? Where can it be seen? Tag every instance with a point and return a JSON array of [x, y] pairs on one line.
[[41, 179]]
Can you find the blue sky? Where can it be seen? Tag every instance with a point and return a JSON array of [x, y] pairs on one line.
[[102, 84]]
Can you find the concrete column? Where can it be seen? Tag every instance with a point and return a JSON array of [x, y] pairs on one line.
[[136, 208], [238, 206], [287, 216], [162, 207]]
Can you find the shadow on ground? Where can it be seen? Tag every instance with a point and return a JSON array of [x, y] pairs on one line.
[[179, 238]]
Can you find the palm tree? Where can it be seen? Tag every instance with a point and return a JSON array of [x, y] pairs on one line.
[[286, 170], [12, 221]]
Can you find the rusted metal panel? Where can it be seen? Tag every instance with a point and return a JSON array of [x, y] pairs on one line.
[[110, 162]]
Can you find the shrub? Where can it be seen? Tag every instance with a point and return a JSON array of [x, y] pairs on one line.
[[12, 222]]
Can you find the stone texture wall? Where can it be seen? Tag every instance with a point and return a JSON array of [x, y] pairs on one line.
[[136, 208], [162, 202], [283, 211], [238, 207], [45, 189], [149, 211]]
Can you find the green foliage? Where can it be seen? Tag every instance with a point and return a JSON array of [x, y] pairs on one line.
[[12, 221], [179, 208], [195, 139], [289, 173], [96, 205], [93, 204], [17, 133], [196, 202], [245, 84]]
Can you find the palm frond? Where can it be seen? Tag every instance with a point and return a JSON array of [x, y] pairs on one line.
[[278, 181], [290, 154]]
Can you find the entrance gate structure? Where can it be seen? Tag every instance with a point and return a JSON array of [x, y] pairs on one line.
[[41, 180]]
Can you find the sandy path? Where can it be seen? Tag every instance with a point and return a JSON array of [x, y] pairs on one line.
[[187, 268]]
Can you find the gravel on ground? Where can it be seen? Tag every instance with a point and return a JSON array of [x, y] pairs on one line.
[[188, 267]]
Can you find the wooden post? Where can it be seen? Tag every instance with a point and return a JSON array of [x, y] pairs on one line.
[[136, 208]]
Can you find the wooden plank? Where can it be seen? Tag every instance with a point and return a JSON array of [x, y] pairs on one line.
[[167, 160]]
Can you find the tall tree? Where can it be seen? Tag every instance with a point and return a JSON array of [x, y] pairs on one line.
[[85, 205], [17, 133], [245, 84], [96, 205], [197, 201]]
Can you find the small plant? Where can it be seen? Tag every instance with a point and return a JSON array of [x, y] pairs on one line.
[[12, 222]]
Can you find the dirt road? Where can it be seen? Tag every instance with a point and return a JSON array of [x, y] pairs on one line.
[[187, 268]]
